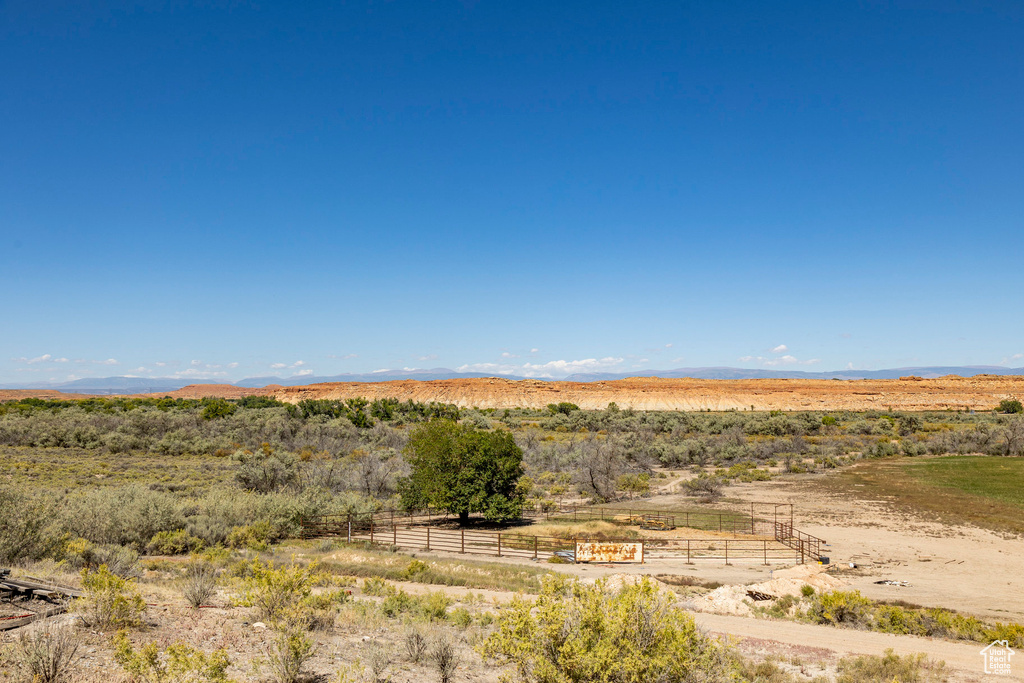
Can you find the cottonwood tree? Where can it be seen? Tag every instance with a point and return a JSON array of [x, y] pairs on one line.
[[375, 472], [598, 469], [462, 470]]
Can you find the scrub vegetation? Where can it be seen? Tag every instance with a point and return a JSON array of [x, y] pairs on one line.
[[196, 503]]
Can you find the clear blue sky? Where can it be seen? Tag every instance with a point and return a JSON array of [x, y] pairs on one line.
[[218, 190]]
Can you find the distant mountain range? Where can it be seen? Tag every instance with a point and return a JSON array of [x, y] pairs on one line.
[[143, 385]]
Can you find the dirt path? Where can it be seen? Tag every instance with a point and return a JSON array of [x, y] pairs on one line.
[[963, 657]]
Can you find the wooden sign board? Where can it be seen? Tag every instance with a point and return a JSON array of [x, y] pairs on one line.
[[609, 551]]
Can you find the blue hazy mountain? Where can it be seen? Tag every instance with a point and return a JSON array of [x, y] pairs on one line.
[[144, 385]]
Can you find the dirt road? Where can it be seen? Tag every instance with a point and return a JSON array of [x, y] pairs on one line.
[[964, 657]]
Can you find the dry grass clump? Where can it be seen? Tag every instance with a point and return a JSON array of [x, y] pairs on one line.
[[199, 583], [46, 653], [444, 655], [891, 667], [416, 644], [596, 530]]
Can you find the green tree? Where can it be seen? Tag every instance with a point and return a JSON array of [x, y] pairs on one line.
[[461, 470], [1011, 405], [564, 408], [214, 408]]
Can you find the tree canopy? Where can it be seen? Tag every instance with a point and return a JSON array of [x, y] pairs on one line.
[[462, 470]]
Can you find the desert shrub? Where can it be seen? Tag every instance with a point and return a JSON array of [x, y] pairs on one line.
[[376, 586], [780, 608], [177, 542], [109, 600], [704, 485], [265, 470], [291, 650], [379, 658], [806, 590], [316, 612], [890, 667], [276, 591], [255, 536], [199, 583], [178, 663], [577, 632], [768, 672], [47, 653], [128, 515], [634, 484], [444, 655], [397, 603], [848, 608], [26, 528], [415, 642], [895, 619], [83, 554], [434, 606], [1012, 633], [461, 617], [415, 568]]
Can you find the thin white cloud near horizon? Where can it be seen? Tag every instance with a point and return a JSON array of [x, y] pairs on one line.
[[283, 366], [781, 360], [551, 369]]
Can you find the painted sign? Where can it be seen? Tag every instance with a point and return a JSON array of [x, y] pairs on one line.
[[609, 551]]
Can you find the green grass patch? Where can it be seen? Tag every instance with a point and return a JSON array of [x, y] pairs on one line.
[[77, 468], [981, 490]]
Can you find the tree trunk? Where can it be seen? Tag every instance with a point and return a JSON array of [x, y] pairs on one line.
[[464, 518]]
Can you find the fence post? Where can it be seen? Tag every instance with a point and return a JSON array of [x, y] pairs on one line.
[[801, 541], [535, 544], [751, 519], [463, 551], [349, 539], [688, 552], [394, 532], [719, 522], [371, 529], [428, 537], [765, 544], [499, 544], [727, 551]]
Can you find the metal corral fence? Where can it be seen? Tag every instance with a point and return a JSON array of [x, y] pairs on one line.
[[430, 530]]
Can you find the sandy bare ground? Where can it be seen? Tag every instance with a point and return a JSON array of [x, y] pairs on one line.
[[963, 657], [973, 570]]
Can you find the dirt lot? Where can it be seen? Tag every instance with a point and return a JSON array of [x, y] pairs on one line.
[[959, 567]]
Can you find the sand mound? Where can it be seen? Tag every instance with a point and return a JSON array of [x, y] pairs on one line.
[[734, 599]]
